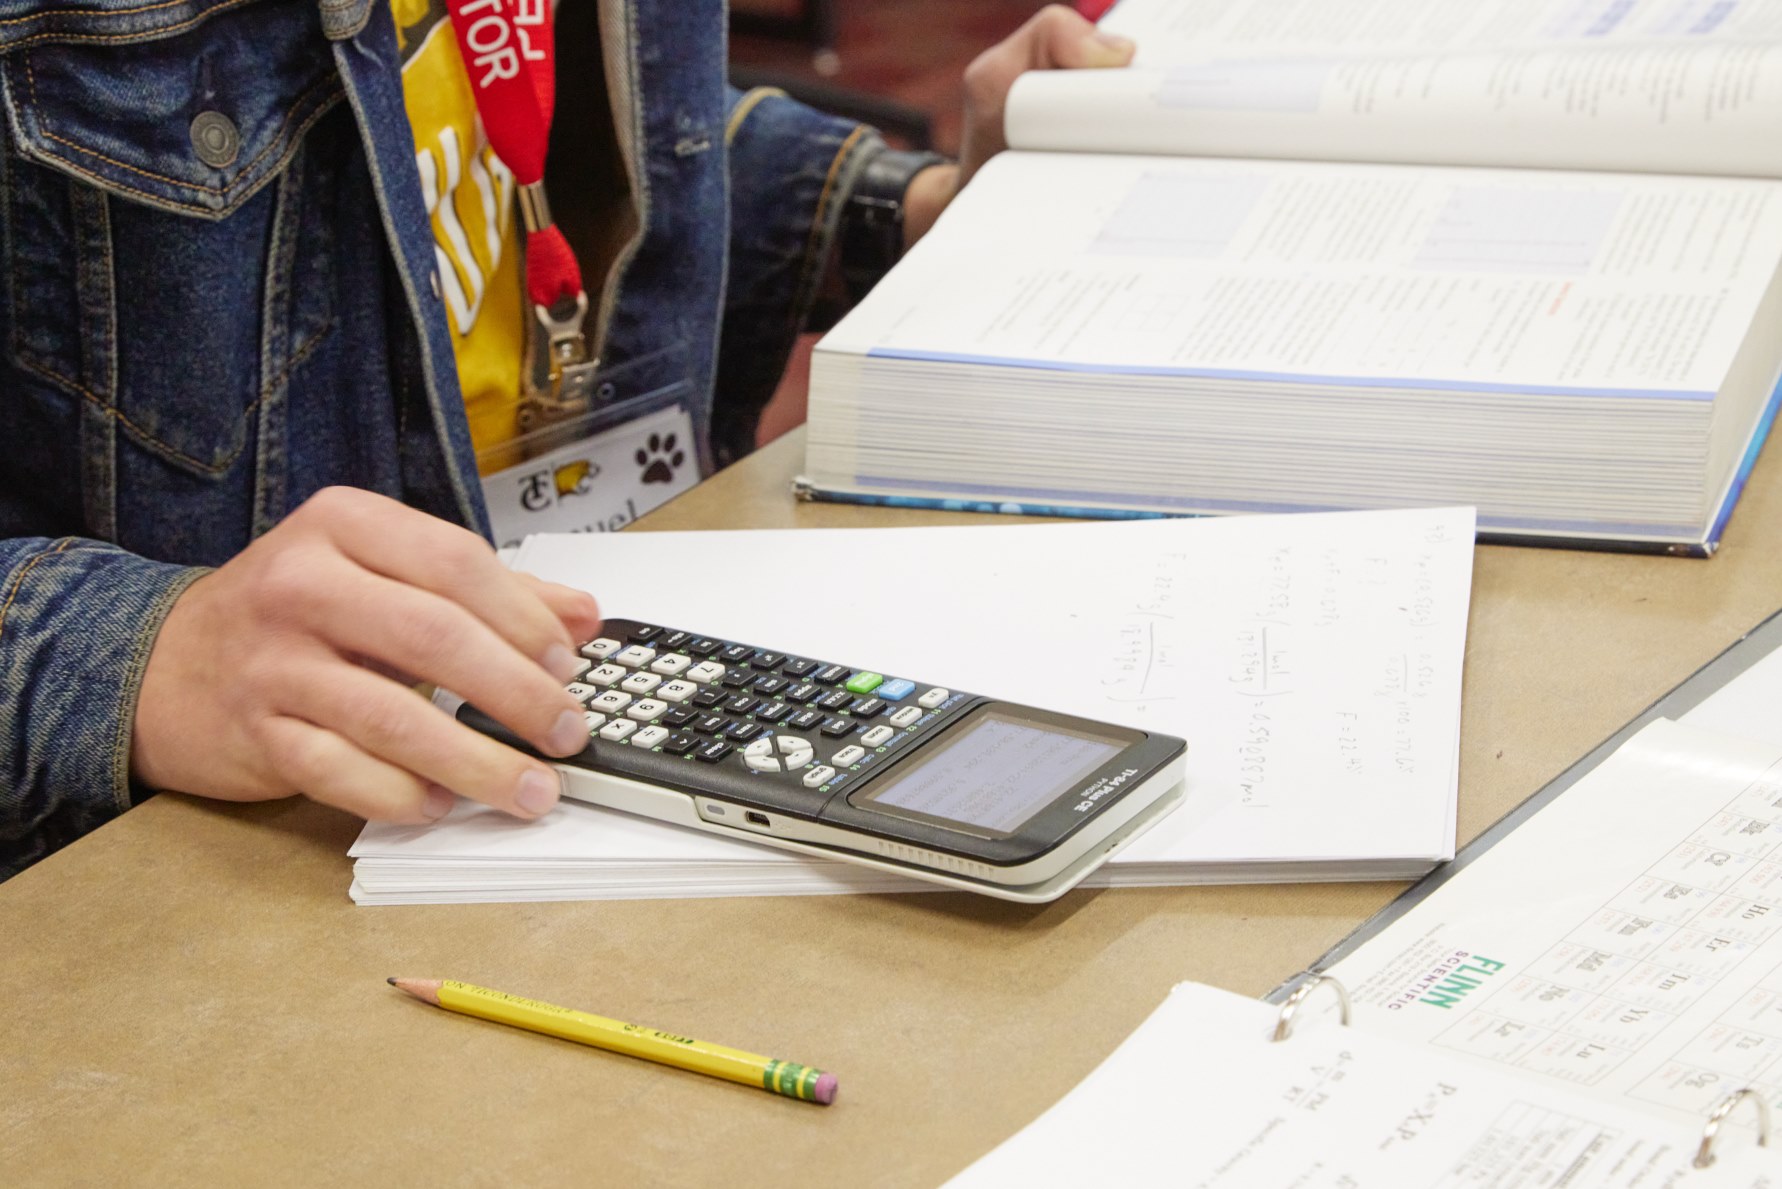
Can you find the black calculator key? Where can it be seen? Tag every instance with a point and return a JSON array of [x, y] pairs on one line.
[[680, 716], [836, 699], [714, 751], [709, 697], [736, 654], [679, 745], [866, 707], [804, 691], [673, 641], [834, 675], [644, 632], [737, 678], [805, 720], [773, 712], [742, 704], [837, 727], [744, 731], [769, 684], [797, 668], [711, 724], [703, 646], [767, 660]]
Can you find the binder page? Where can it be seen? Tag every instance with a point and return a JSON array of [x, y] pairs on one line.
[[1200, 1096], [1515, 281], [1750, 704], [1313, 663], [1688, 107], [1173, 32], [1626, 940]]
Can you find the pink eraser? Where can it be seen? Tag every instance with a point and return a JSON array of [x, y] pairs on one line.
[[824, 1090]]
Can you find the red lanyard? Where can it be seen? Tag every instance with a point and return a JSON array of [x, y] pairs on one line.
[[510, 54]]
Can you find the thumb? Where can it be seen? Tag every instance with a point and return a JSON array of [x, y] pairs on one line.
[[1064, 40]]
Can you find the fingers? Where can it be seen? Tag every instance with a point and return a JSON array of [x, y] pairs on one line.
[[411, 547], [413, 631], [1060, 39], [574, 609], [329, 769], [395, 726]]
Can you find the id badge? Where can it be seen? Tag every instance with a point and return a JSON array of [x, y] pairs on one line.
[[598, 471]]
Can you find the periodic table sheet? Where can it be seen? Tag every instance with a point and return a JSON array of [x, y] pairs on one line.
[[1625, 940]]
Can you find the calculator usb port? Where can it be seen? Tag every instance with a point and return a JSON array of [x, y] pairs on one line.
[[756, 819]]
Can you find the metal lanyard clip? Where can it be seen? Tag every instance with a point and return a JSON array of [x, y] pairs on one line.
[[560, 374]]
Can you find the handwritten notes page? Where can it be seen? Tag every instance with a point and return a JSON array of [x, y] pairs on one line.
[[1313, 664], [1626, 940], [1199, 1096]]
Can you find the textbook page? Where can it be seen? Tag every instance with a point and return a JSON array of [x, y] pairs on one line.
[[1625, 940], [1750, 704], [1611, 285], [1313, 663], [1201, 1096], [1174, 32], [1686, 107]]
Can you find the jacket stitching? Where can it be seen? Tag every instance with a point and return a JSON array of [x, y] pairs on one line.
[[154, 443], [132, 683], [91, 38], [820, 221], [19, 581], [99, 12], [278, 139], [746, 106]]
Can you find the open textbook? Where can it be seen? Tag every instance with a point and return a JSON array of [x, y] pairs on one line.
[[1309, 254], [1313, 663], [1565, 1007]]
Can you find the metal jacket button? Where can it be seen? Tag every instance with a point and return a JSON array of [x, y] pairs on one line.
[[215, 138]]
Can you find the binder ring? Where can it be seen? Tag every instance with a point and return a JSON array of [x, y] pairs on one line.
[[1284, 1024], [1704, 1155]]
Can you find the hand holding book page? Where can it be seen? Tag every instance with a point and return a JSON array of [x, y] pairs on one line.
[[1642, 87], [1200, 1096]]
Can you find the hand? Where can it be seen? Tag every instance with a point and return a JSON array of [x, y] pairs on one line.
[[1056, 38], [288, 670]]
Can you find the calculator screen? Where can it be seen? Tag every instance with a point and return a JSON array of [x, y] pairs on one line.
[[996, 771]]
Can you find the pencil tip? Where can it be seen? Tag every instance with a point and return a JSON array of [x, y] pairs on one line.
[[391, 981]]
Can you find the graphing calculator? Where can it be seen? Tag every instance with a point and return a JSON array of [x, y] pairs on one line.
[[848, 763]]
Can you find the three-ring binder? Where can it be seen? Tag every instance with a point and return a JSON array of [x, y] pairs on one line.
[[1704, 1154]]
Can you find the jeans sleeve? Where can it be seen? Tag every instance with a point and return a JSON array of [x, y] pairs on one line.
[[791, 171], [77, 621]]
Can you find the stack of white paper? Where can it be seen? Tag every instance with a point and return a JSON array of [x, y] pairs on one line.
[[1313, 663]]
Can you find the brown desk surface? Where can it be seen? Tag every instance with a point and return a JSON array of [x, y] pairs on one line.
[[190, 997]]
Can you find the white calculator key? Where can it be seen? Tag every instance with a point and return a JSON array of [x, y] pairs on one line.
[[847, 755], [582, 665], [706, 672], [761, 747], [606, 675], [791, 743], [877, 736], [677, 691], [821, 774], [933, 698], [671, 665], [640, 683], [761, 763], [599, 650], [649, 737], [580, 692], [612, 701], [648, 710], [906, 716], [594, 719], [635, 657], [617, 729]]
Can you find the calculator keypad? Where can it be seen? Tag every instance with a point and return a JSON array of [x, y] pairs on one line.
[[771, 715]]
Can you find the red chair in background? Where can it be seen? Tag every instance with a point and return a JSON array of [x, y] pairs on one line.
[[1094, 9]]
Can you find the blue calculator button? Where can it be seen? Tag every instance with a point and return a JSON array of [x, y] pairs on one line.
[[895, 689]]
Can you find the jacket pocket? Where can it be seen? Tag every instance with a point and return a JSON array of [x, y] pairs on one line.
[[141, 229]]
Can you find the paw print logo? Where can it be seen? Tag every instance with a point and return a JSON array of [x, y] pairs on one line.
[[660, 460]]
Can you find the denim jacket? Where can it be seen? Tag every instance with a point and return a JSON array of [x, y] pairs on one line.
[[198, 332]]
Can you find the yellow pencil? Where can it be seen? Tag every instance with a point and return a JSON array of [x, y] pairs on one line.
[[782, 1077]]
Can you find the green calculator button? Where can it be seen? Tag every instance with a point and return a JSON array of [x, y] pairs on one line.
[[864, 683]]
